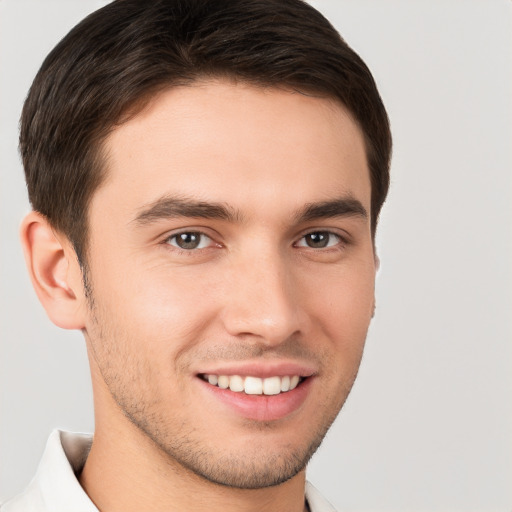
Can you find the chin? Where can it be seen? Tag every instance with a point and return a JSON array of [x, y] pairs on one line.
[[255, 465]]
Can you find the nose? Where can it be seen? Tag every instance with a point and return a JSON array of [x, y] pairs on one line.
[[261, 301]]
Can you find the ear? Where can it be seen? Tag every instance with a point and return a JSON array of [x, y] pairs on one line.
[[54, 271], [377, 266]]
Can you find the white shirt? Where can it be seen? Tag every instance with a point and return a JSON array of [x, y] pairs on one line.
[[55, 487]]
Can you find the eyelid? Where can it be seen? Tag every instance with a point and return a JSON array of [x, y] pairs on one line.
[[343, 238], [338, 237], [202, 240], [204, 232]]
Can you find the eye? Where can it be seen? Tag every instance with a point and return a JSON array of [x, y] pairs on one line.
[[319, 240], [189, 240]]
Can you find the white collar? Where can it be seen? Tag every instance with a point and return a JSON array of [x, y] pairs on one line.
[[55, 487]]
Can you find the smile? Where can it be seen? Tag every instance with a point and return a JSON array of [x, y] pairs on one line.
[[254, 385]]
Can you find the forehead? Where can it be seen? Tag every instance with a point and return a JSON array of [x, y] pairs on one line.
[[234, 142]]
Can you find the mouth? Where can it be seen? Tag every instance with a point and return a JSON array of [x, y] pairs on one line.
[[256, 391], [250, 385]]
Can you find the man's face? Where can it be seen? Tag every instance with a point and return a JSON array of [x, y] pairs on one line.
[[231, 242]]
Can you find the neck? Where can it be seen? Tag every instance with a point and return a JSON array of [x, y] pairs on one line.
[[126, 471]]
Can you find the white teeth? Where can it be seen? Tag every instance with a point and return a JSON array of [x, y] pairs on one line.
[[223, 381], [272, 386], [254, 385], [236, 383]]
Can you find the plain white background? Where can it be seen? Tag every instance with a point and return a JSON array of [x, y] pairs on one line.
[[428, 426]]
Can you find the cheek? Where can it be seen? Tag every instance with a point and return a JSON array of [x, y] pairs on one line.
[[341, 304], [139, 329], [347, 291], [160, 309]]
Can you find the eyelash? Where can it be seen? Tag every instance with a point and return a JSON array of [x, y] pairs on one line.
[[340, 240], [330, 234], [190, 250]]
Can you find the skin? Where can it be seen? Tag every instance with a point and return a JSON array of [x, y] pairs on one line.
[[254, 292]]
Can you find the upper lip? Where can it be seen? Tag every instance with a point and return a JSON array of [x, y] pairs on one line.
[[261, 369]]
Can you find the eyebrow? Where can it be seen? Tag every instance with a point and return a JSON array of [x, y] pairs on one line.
[[172, 206], [175, 207], [340, 207]]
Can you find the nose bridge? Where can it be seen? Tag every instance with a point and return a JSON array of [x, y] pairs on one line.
[[261, 301]]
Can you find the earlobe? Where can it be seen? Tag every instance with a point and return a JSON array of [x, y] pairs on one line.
[[377, 262], [377, 266], [54, 272]]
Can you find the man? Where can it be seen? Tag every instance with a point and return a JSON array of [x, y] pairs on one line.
[[206, 178]]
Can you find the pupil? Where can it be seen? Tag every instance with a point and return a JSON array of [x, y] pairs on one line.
[[319, 239], [188, 240]]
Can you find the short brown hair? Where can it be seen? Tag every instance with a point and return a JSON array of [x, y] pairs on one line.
[[121, 55]]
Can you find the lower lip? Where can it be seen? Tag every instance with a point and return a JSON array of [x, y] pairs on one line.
[[262, 407]]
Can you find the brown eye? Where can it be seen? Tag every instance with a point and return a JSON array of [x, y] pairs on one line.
[[319, 240], [189, 240]]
